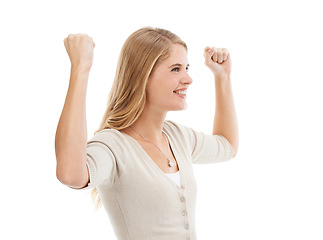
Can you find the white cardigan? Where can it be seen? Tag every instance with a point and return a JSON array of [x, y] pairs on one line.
[[141, 201]]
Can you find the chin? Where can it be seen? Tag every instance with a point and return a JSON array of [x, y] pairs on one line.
[[179, 108]]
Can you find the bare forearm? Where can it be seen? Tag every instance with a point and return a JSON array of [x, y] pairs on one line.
[[225, 118], [71, 134]]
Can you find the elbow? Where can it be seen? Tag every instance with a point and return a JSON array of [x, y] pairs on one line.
[[234, 154], [235, 149], [63, 177], [71, 180]]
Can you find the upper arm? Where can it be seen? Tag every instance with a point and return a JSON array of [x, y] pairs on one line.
[[210, 148], [204, 148], [101, 164], [73, 172]]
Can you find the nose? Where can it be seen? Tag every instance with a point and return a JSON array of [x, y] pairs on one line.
[[187, 80]]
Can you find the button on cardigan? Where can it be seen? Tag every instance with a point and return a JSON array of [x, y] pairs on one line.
[[141, 201]]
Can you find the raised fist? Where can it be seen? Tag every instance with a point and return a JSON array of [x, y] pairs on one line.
[[80, 50], [219, 61]]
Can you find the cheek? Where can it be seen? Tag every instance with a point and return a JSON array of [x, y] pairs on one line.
[[153, 92], [161, 86]]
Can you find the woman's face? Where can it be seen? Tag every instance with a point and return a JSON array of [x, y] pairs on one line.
[[167, 84]]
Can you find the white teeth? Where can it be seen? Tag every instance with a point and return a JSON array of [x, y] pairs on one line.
[[181, 92]]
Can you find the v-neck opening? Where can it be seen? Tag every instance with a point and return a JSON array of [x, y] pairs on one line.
[[152, 162], [173, 173]]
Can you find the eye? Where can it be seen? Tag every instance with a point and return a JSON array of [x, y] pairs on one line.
[[175, 69]]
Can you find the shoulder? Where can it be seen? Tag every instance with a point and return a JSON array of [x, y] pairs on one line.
[[172, 126], [177, 130], [107, 134], [111, 138]]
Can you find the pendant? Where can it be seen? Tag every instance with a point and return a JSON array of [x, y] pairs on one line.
[[170, 163]]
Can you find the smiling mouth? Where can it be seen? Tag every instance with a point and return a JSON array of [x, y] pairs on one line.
[[180, 93]]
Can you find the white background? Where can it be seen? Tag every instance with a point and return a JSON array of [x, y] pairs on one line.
[[271, 190]]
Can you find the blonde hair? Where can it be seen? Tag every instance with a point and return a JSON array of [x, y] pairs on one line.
[[141, 53]]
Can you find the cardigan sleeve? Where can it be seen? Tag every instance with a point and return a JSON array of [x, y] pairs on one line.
[[209, 148], [203, 148], [101, 163]]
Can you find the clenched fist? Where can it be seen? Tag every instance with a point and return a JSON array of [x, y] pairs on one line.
[[80, 50], [219, 61]]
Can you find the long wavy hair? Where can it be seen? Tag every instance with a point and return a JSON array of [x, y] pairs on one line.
[[141, 53]]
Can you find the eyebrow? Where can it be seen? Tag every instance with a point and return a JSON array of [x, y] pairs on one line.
[[178, 64]]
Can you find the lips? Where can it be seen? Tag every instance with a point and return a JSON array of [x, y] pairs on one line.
[[181, 92]]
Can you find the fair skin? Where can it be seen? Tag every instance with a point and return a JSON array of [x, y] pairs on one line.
[[225, 122], [172, 75], [71, 134]]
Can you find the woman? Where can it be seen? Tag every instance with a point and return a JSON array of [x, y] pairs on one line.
[[140, 163]]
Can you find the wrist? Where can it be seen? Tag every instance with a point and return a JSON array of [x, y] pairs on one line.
[[222, 84], [222, 78], [80, 69], [79, 75]]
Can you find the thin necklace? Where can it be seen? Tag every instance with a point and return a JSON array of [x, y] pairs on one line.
[[170, 163]]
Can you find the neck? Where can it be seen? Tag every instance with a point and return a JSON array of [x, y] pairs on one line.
[[150, 124]]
